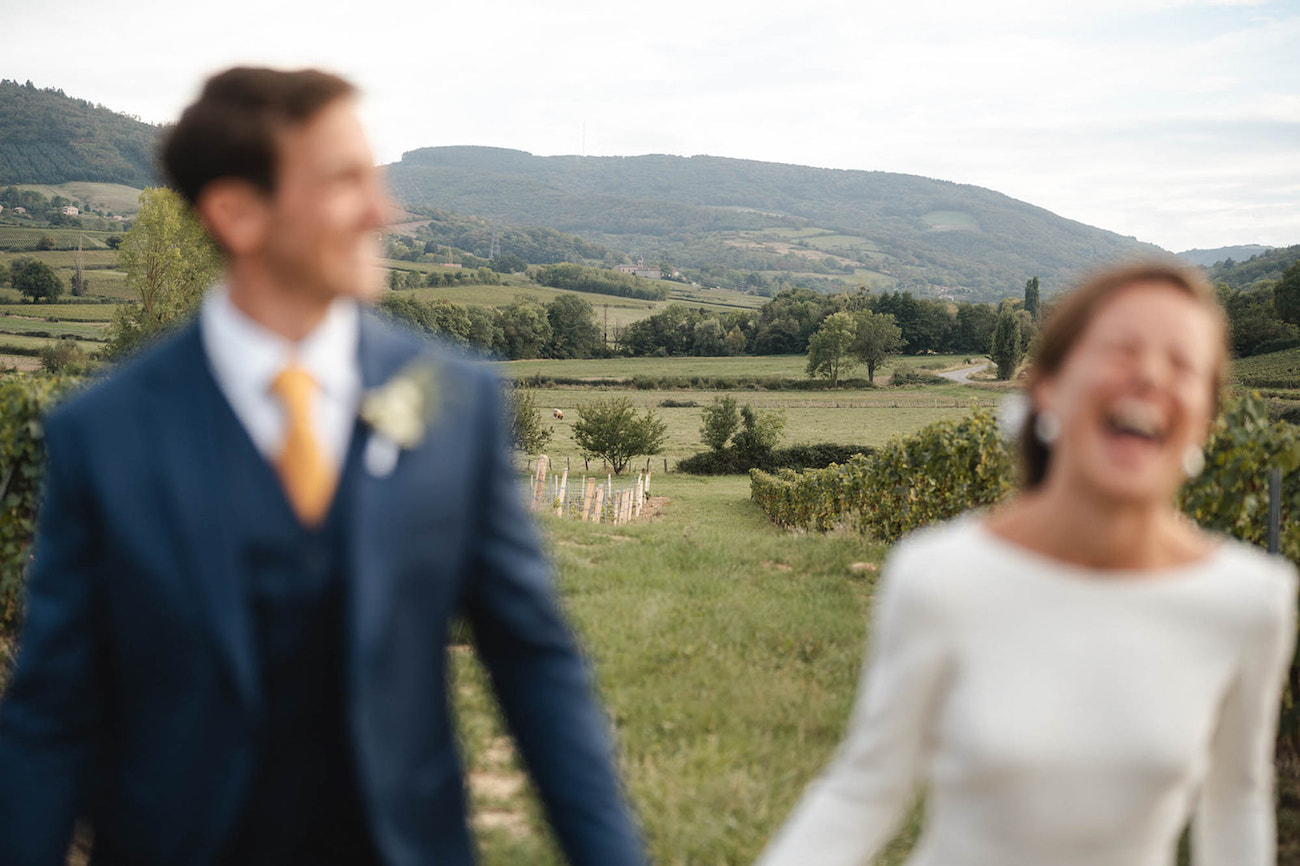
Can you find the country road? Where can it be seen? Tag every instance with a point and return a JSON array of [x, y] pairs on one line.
[[962, 375]]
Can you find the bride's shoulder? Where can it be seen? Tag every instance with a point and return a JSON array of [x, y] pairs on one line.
[[937, 554]]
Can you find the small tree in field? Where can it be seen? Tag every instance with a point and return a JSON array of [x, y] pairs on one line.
[[721, 419], [828, 350], [526, 425], [878, 337], [614, 431], [38, 282]]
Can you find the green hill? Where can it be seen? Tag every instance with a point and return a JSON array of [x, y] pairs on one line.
[[1264, 266], [1206, 258], [856, 227], [47, 137]]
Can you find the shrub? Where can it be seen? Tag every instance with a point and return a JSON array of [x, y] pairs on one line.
[[611, 429], [670, 403], [527, 428], [910, 377], [24, 400]]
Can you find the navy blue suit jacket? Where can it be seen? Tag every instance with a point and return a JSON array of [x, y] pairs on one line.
[[135, 692]]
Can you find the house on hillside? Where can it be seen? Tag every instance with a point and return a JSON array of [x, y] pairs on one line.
[[20, 210], [2, 208], [640, 270], [70, 211]]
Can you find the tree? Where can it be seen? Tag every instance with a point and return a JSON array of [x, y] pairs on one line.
[[1286, 295], [525, 329], [529, 431], [38, 282], [169, 261], [1031, 297], [721, 419], [828, 350], [611, 429], [46, 242], [877, 338], [758, 435], [1006, 350], [574, 333], [708, 339], [736, 342]]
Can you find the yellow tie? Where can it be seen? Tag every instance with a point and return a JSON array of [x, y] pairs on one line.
[[307, 476]]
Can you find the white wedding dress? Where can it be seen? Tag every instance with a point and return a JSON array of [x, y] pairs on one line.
[[1059, 716]]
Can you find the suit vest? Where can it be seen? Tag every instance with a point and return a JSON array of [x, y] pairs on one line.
[[304, 804]]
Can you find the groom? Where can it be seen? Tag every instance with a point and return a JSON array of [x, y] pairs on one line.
[[254, 539]]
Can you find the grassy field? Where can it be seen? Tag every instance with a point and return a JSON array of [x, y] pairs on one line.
[[27, 344], [62, 312], [12, 324], [784, 366], [1274, 370], [108, 197], [727, 654], [844, 417], [25, 237]]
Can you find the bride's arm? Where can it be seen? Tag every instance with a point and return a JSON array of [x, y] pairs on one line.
[[1234, 823], [848, 813]]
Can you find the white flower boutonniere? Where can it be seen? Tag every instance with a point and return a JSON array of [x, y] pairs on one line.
[[399, 413]]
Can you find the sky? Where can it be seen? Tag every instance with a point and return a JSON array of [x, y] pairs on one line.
[[1174, 121]]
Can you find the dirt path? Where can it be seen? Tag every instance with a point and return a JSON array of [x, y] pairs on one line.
[[962, 374]]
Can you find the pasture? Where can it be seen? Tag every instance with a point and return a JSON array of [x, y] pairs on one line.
[[726, 653], [779, 366]]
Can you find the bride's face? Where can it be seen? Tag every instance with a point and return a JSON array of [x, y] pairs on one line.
[[1134, 394]]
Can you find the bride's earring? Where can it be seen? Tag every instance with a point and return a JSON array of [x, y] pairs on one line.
[[1047, 427], [1193, 461]]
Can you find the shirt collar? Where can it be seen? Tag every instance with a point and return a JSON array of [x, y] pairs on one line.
[[241, 349]]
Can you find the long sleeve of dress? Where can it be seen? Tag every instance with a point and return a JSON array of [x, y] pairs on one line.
[[848, 813], [1234, 823]]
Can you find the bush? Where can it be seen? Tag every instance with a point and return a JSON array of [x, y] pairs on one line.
[[910, 377], [527, 428], [817, 455], [612, 430], [948, 468], [24, 400], [670, 403]]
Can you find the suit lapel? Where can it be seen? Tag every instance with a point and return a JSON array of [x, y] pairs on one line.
[[187, 406], [381, 355]]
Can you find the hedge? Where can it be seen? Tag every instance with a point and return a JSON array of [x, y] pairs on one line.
[[950, 467]]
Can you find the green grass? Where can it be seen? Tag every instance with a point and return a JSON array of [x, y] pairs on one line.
[[62, 312], [861, 417], [11, 325], [727, 654], [25, 237], [787, 366], [25, 344], [114, 197], [611, 311]]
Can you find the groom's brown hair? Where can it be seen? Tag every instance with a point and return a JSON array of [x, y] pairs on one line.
[[230, 132]]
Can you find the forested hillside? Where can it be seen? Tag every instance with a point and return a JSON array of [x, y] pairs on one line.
[[876, 229], [47, 137], [1264, 266]]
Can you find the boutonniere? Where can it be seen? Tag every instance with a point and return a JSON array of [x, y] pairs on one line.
[[399, 413]]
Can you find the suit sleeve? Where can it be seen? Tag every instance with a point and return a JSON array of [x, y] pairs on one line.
[[1235, 823], [49, 716], [537, 670], [847, 814]]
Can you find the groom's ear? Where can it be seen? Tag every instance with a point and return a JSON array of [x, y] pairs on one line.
[[236, 213]]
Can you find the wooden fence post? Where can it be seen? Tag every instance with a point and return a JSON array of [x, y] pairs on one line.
[[562, 500], [598, 511]]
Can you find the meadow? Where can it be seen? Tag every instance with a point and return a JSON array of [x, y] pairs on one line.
[[726, 653]]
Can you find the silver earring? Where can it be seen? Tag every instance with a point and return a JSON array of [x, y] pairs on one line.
[[1193, 461], [1047, 427]]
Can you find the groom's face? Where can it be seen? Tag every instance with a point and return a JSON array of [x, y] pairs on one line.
[[322, 220]]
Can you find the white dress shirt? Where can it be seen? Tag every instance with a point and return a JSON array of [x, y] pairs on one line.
[[245, 358], [1060, 716]]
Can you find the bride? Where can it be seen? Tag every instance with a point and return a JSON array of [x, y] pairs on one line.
[[1076, 674]]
